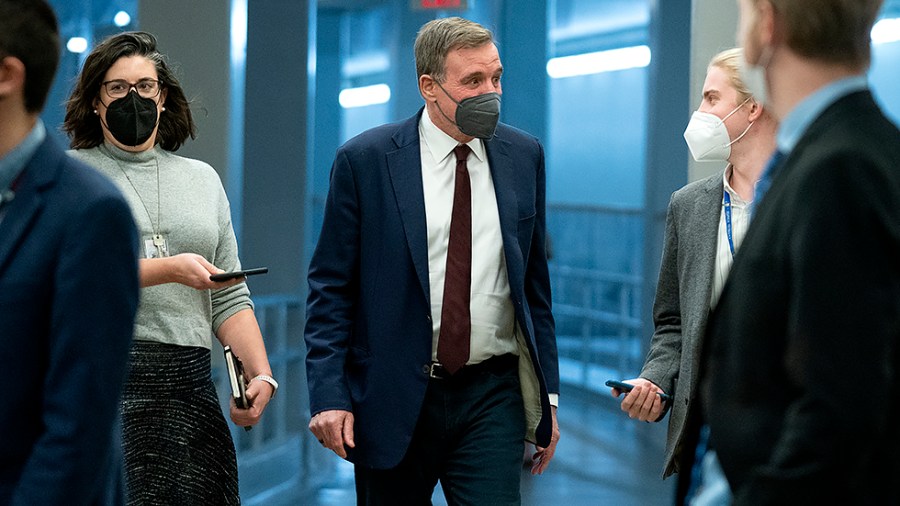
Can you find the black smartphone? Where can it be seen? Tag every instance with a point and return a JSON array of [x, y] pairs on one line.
[[225, 276], [626, 387]]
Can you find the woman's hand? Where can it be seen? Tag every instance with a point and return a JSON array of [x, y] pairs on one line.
[[259, 393], [241, 332], [191, 269]]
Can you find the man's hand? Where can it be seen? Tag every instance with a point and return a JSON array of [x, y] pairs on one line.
[[334, 429], [643, 402], [542, 456]]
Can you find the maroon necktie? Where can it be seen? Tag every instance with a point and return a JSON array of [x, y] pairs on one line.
[[453, 343]]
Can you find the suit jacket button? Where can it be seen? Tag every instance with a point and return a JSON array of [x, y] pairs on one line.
[[425, 368]]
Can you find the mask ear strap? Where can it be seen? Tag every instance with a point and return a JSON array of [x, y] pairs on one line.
[[739, 137], [445, 92], [439, 105], [735, 109], [444, 114]]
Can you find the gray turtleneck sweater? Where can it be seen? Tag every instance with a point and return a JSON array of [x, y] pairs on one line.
[[194, 216]]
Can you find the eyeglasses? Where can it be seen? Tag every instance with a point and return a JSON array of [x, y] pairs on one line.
[[118, 88]]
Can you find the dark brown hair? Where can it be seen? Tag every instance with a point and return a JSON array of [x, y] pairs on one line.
[[28, 31], [830, 31], [175, 125]]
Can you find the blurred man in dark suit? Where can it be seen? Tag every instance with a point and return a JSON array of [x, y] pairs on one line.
[[68, 290], [802, 386]]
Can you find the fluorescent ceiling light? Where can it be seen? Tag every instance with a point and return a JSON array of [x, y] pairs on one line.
[[373, 62], [122, 19], [886, 30], [238, 28], [364, 95], [77, 45], [601, 61]]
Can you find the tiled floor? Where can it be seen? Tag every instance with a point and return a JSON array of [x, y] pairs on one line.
[[603, 458]]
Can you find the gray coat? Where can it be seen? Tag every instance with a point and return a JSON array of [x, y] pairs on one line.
[[681, 307]]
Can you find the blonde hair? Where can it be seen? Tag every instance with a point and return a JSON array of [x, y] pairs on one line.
[[730, 62]]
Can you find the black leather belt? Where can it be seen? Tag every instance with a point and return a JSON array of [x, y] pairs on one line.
[[495, 364]]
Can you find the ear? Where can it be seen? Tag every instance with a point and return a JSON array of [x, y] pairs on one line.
[[756, 110], [767, 23], [428, 88], [12, 76]]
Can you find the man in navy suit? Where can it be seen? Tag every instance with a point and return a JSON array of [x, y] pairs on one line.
[[431, 346], [803, 367], [68, 290]]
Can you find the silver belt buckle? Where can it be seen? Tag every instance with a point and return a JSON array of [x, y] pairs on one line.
[[431, 369]]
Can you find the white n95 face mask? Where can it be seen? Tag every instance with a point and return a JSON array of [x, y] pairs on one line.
[[707, 137]]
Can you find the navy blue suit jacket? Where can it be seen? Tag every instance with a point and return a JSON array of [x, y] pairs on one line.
[[68, 296], [369, 329]]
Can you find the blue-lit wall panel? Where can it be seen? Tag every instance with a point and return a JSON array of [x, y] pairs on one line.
[[357, 120], [597, 125]]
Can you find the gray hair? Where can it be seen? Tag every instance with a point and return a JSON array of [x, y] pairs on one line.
[[438, 37]]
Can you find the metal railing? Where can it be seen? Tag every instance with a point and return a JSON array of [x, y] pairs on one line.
[[596, 292], [608, 329]]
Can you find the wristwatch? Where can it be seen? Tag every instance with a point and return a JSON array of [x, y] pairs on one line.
[[268, 379]]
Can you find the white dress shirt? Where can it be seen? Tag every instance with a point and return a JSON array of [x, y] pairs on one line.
[[740, 221], [492, 312]]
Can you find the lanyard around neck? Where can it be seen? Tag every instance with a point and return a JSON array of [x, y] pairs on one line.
[[728, 229]]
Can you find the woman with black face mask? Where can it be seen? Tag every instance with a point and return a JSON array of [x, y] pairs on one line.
[[126, 117]]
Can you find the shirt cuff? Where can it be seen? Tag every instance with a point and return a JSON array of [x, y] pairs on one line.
[[554, 399]]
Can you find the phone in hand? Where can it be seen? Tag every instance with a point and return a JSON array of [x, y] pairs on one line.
[[627, 387], [237, 380], [225, 276]]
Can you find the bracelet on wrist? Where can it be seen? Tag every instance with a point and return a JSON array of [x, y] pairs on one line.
[[268, 379]]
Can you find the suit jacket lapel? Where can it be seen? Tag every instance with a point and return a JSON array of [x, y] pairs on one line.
[[503, 175], [24, 209], [707, 233], [703, 230], [405, 169]]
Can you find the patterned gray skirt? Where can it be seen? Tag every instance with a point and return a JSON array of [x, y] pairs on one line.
[[178, 450]]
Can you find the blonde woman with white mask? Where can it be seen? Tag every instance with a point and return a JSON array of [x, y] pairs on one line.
[[705, 225]]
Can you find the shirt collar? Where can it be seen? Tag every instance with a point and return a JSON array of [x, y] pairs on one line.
[[736, 199], [798, 120], [14, 162], [439, 144]]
